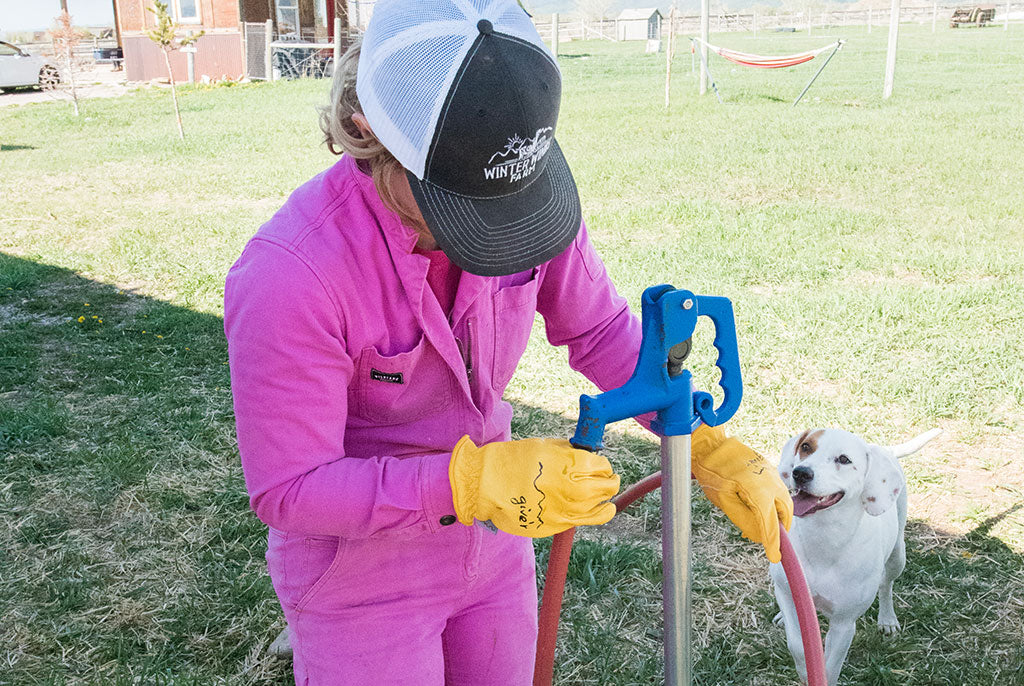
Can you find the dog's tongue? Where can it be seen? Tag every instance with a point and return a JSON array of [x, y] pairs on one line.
[[804, 503]]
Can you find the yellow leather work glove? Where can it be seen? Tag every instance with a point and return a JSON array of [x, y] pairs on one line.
[[535, 487], [743, 485]]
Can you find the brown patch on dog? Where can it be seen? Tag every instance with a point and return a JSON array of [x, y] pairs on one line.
[[808, 443]]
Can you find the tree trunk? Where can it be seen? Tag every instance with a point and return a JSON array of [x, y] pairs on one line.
[[174, 94], [71, 76]]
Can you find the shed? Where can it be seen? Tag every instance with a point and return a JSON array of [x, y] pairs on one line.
[[233, 42], [638, 24]]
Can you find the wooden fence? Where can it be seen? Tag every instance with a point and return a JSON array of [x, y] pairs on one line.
[[689, 24]]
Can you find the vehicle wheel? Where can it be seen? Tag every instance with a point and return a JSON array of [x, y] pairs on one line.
[[49, 77]]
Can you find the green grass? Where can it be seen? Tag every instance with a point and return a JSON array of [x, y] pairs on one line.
[[874, 252]]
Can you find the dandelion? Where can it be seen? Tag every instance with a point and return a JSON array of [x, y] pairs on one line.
[[100, 321], [81, 319], [143, 331], [88, 305], [95, 317], [159, 336]]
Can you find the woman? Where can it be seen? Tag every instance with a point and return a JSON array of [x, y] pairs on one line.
[[373, 324]]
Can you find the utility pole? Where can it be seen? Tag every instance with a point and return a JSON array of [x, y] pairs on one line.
[[704, 31], [890, 56]]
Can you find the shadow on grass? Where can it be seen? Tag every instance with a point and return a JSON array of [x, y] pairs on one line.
[[129, 553], [4, 147]]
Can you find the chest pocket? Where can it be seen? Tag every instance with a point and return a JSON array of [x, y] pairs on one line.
[[401, 388], [514, 307]]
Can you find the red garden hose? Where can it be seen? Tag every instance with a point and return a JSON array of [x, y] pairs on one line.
[[558, 567]]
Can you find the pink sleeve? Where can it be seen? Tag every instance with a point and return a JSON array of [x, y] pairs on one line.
[[582, 310], [289, 375]]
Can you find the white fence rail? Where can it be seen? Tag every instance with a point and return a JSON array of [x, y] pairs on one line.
[[938, 14]]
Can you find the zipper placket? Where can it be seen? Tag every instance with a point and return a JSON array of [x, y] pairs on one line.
[[468, 355], [466, 350]]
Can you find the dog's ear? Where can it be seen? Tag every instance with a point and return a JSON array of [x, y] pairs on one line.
[[882, 483], [787, 456]]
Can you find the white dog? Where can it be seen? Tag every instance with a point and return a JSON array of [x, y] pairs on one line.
[[846, 533]]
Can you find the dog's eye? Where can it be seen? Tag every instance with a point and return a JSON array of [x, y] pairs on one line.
[[843, 459], [805, 447]]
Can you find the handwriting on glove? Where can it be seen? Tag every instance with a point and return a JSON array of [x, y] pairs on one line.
[[534, 487], [743, 485]]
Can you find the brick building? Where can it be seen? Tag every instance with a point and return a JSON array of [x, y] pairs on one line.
[[220, 52]]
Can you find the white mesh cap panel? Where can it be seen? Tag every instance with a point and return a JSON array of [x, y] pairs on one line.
[[514, 21], [406, 87], [411, 52]]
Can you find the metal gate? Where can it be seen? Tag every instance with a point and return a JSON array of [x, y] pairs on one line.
[[256, 38]]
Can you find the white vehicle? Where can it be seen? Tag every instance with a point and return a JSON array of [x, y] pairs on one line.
[[18, 68]]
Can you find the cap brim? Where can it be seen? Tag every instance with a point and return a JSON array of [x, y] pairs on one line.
[[507, 234]]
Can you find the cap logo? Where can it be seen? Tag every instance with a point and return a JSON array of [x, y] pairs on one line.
[[520, 156]]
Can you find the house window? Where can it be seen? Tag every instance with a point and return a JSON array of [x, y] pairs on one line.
[[188, 11], [184, 11], [288, 18]]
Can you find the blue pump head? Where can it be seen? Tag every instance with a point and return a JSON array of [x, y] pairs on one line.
[[669, 317]]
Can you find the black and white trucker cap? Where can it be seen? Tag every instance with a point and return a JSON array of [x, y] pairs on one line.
[[465, 95]]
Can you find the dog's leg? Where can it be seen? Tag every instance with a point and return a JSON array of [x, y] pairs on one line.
[[837, 644], [789, 621], [887, 622]]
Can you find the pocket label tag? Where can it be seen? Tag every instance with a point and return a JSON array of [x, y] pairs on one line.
[[386, 377]]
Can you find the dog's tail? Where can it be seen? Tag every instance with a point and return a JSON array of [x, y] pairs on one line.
[[914, 444]]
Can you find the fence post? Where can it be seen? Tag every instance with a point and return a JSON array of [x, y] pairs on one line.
[[890, 56], [704, 21], [668, 52], [935, 14], [337, 42], [268, 63], [554, 34]]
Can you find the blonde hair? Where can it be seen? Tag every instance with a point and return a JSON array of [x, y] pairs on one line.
[[343, 136]]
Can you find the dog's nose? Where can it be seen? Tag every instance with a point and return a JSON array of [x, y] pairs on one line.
[[802, 475]]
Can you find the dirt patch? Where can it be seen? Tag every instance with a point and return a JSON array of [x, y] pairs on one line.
[[971, 483], [96, 81]]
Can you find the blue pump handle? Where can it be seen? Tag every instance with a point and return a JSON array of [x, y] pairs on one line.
[[668, 317]]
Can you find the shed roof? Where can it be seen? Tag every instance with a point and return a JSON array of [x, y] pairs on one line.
[[642, 13]]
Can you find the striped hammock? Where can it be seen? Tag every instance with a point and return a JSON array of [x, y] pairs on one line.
[[762, 62]]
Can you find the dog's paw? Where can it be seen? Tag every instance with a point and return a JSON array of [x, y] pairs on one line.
[[888, 625], [777, 620]]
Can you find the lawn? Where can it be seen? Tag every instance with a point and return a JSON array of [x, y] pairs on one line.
[[873, 250]]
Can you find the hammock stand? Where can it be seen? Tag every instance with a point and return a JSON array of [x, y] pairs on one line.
[[747, 59]]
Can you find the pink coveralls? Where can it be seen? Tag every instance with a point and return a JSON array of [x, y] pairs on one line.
[[350, 388]]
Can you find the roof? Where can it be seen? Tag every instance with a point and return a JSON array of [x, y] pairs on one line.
[[642, 13]]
